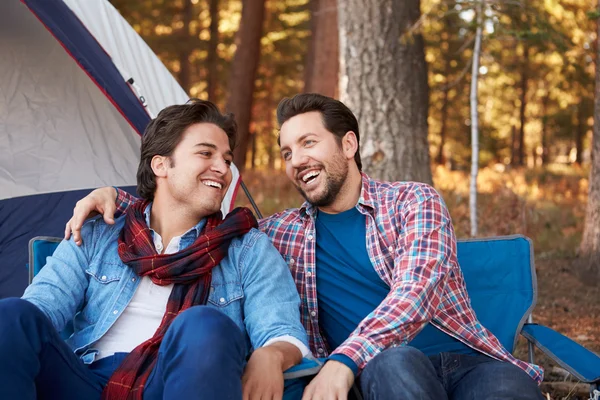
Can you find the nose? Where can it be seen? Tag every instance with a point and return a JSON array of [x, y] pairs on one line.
[[219, 166], [298, 159]]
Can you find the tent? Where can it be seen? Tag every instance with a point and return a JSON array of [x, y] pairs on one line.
[[77, 88]]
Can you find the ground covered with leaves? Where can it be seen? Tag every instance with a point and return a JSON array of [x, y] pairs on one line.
[[547, 205]]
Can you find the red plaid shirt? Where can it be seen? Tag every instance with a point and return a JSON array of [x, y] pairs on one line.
[[411, 243]]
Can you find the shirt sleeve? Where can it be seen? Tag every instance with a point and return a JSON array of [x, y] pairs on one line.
[[271, 301], [123, 201], [58, 290], [291, 340], [425, 252]]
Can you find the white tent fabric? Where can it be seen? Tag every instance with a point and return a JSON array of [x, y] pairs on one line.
[[130, 54], [58, 131]]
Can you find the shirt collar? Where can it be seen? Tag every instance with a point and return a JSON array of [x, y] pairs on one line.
[[193, 232], [366, 199]]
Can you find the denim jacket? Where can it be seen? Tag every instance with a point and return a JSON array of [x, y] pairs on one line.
[[89, 285]]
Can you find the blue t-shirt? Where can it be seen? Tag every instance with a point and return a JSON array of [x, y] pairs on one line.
[[349, 288]]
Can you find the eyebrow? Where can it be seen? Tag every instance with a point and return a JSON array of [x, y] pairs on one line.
[[301, 138], [213, 146]]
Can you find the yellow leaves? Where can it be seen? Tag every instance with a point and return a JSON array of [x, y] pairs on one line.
[[294, 19], [163, 30]]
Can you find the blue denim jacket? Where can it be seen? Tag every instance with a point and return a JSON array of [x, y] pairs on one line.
[[91, 286]]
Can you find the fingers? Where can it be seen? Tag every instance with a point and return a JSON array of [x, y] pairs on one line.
[[109, 213], [68, 230]]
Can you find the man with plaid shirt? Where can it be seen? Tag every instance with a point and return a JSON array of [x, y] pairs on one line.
[[375, 265]]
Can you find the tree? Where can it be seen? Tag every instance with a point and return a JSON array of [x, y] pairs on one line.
[[322, 63], [212, 57], [589, 250], [243, 73], [475, 119], [383, 79]]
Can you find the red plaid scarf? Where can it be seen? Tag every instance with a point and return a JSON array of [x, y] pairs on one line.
[[190, 271]]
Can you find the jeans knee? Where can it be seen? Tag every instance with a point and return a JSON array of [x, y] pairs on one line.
[[14, 309], [203, 326]]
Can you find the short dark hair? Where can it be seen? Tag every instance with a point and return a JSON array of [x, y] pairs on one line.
[[165, 131], [337, 118]]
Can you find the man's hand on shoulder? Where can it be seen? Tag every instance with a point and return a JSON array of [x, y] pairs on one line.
[[333, 382], [100, 201]]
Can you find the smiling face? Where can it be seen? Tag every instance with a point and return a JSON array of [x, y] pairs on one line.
[[196, 176], [316, 162]]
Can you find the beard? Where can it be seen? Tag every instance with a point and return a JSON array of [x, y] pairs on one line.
[[336, 173]]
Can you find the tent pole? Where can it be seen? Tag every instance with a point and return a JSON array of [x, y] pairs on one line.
[[249, 196]]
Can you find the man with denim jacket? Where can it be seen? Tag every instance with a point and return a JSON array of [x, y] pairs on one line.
[[375, 265], [168, 301]]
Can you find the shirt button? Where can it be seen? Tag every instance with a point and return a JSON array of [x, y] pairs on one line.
[[313, 313], [115, 312], [310, 237], [222, 300], [132, 279], [292, 261], [103, 277], [320, 350], [391, 249], [309, 274]]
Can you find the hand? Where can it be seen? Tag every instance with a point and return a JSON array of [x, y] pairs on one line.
[[333, 382], [263, 376], [100, 201]]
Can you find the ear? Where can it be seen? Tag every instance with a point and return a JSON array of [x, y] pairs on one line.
[[349, 145], [160, 165]]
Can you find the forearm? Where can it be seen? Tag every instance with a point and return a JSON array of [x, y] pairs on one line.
[[286, 354], [396, 321]]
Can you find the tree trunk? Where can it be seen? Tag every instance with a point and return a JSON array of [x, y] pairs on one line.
[[383, 79], [322, 62], [185, 68], [524, 83], [212, 58], [513, 146], [580, 133], [589, 251], [243, 73], [545, 129], [475, 120]]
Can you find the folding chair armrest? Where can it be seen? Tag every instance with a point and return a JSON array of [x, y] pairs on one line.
[[307, 367], [570, 355]]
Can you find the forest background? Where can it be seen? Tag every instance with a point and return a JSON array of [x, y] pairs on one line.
[[433, 84]]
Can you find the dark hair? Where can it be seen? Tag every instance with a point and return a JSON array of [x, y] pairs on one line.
[[337, 118], [165, 131]]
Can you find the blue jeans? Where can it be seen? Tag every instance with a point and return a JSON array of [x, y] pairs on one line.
[[201, 355], [407, 373]]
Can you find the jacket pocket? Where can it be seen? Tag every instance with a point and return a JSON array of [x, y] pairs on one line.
[[105, 273], [221, 295]]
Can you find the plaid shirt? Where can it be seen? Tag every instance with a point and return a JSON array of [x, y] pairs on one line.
[[412, 246]]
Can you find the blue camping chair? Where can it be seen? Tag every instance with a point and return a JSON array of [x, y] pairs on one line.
[[501, 281]]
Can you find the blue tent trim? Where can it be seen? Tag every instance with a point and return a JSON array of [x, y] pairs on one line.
[[64, 25]]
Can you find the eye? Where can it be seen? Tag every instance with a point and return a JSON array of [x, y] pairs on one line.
[[205, 153], [228, 162], [286, 155], [309, 142]]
